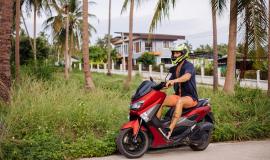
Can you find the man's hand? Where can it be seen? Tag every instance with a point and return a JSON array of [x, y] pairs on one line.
[[170, 83]]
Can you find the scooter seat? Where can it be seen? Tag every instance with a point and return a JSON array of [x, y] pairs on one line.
[[168, 115], [201, 103]]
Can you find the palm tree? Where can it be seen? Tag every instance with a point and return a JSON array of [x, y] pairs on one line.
[[6, 14], [268, 92], [17, 45], [37, 5], [66, 9], [215, 49], [255, 23], [88, 79], [109, 41], [73, 19], [130, 45], [216, 5], [230, 74]]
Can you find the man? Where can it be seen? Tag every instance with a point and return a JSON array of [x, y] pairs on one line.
[[184, 84]]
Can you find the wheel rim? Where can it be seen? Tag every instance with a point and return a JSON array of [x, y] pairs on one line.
[[131, 146]]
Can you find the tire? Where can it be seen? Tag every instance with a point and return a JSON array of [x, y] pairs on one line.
[[130, 149], [205, 140]]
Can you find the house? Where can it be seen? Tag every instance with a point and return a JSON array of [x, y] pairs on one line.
[[156, 44]]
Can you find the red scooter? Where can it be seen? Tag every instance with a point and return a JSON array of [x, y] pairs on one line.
[[144, 130]]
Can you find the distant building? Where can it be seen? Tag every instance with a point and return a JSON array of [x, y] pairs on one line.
[[198, 58], [156, 44]]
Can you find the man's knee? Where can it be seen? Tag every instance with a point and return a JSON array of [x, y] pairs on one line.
[[180, 102]]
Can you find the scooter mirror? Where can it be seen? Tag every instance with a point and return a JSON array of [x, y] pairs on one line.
[[151, 79]]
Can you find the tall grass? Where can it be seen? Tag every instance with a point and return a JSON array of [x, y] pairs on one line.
[[57, 119]]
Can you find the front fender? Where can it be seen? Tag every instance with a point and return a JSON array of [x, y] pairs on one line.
[[135, 125]]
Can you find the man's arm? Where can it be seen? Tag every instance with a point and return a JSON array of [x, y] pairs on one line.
[[181, 79]]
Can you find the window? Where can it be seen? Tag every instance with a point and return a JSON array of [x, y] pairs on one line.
[[166, 60], [125, 49], [166, 44], [148, 46], [137, 47]]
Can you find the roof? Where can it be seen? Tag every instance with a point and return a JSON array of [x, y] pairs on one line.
[[118, 39]]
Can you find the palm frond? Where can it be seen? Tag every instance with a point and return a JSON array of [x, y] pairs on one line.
[[219, 5], [162, 11], [124, 7]]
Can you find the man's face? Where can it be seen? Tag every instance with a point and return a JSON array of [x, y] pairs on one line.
[[176, 54]]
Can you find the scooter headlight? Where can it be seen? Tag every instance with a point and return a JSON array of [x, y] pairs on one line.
[[136, 105]]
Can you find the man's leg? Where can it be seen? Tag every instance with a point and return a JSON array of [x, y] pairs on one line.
[[183, 102], [170, 101]]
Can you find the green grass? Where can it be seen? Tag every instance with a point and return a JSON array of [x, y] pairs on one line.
[[57, 119]]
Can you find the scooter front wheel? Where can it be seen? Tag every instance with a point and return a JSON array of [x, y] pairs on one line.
[[131, 146]]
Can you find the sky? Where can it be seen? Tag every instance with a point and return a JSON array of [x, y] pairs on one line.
[[191, 18]]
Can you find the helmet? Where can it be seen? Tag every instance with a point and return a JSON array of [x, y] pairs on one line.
[[183, 48]]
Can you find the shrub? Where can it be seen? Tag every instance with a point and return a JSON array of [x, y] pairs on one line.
[[43, 70], [147, 59]]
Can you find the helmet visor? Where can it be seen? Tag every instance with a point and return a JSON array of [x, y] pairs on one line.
[[177, 53]]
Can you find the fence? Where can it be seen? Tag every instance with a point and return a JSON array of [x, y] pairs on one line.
[[202, 78]]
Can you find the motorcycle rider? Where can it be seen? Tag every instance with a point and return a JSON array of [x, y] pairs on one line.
[[184, 84]]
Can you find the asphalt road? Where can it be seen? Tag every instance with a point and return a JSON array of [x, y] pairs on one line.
[[250, 150]]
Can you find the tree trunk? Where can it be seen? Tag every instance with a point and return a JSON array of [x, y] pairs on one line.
[[268, 92], [109, 42], [230, 73], [35, 27], [17, 45], [215, 49], [66, 45], [244, 64], [130, 45], [6, 16], [87, 74], [71, 51]]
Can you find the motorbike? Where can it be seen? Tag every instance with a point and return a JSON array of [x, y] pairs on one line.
[[144, 130]]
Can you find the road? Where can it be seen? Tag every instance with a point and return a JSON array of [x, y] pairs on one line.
[[250, 150]]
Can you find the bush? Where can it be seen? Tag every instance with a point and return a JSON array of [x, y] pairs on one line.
[[147, 59], [42, 71], [243, 116]]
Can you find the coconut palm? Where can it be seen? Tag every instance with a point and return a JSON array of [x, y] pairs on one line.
[[58, 24], [109, 40], [130, 45], [254, 22], [17, 41], [87, 74], [231, 58], [37, 6], [6, 14], [268, 49], [216, 5]]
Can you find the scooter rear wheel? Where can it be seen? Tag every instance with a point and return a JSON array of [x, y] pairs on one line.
[[131, 147], [205, 140]]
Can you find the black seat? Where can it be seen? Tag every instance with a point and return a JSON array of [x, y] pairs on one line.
[[201, 103]]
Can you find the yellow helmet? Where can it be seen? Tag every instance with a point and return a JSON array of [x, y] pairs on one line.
[[183, 48]]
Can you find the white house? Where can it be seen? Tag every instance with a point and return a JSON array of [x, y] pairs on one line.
[[157, 44]]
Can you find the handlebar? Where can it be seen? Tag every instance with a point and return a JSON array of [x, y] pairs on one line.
[[159, 86]]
